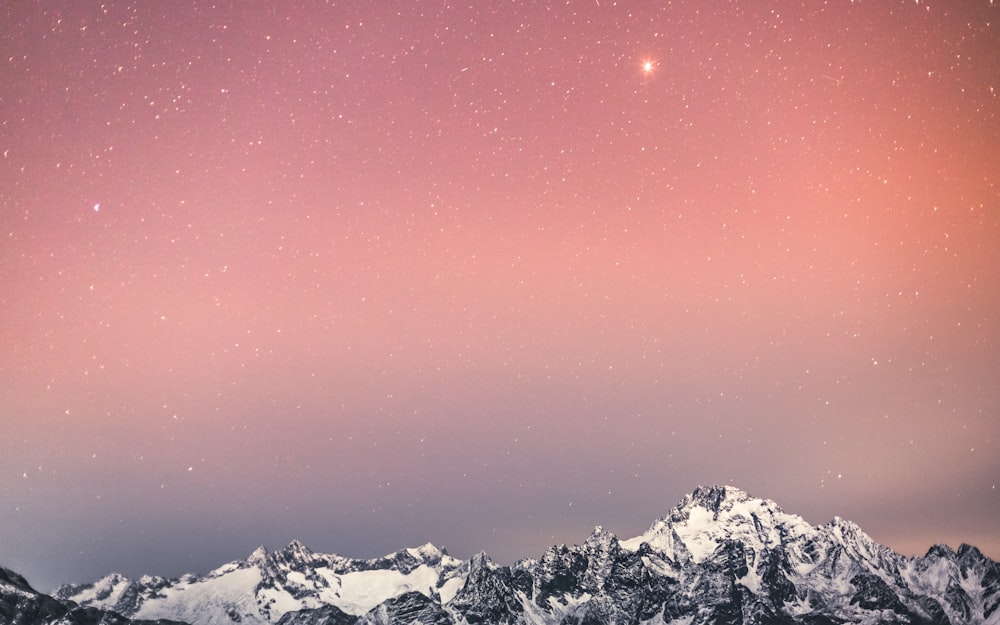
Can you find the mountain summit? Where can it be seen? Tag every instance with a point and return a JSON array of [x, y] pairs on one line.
[[710, 517], [719, 557]]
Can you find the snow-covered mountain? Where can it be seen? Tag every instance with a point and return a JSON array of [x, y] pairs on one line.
[[265, 586], [720, 556], [20, 604]]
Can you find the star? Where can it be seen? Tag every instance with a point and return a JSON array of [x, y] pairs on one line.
[[647, 67]]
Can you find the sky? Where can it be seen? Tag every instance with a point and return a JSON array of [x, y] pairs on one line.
[[488, 274]]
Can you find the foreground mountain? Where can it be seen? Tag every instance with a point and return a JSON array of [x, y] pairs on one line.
[[20, 604], [720, 556]]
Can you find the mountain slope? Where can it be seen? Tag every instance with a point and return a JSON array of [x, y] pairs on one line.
[[265, 586], [719, 556], [20, 604]]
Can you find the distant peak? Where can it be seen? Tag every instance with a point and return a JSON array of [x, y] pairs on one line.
[[258, 556], [966, 552], [940, 550], [427, 550], [479, 564], [294, 555], [113, 578], [601, 537], [481, 557], [296, 547]]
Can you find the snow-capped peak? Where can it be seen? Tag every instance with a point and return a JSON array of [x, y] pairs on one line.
[[856, 541], [716, 498], [258, 556], [427, 551], [601, 539], [696, 527], [108, 589], [481, 561], [295, 555]]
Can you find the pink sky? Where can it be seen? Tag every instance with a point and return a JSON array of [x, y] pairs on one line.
[[405, 272]]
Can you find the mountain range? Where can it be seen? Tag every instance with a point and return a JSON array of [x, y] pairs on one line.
[[719, 557]]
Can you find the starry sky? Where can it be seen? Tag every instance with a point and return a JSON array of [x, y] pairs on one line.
[[370, 274]]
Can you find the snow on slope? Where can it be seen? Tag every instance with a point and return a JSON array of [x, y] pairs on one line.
[[362, 591], [703, 520], [719, 555], [210, 601], [262, 588]]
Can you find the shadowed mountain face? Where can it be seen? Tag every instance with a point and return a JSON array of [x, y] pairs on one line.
[[720, 556]]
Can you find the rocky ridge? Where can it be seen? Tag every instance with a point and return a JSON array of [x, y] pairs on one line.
[[720, 556]]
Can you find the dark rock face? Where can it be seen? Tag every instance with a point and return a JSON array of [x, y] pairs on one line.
[[407, 609], [872, 592], [559, 572], [20, 603], [325, 615], [491, 593], [972, 563]]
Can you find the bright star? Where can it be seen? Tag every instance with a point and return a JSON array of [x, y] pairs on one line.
[[647, 67]]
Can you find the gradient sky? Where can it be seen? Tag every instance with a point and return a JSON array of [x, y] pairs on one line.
[[372, 274]]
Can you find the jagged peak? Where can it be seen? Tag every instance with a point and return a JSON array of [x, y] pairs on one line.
[[107, 581], [481, 561], [296, 547], [409, 559], [15, 579], [113, 578], [707, 516], [719, 501], [104, 585], [294, 554], [258, 556], [966, 551], [716, 498], [856, 540], [847, 528], [427, 551], [940, 550], [601, 537]]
